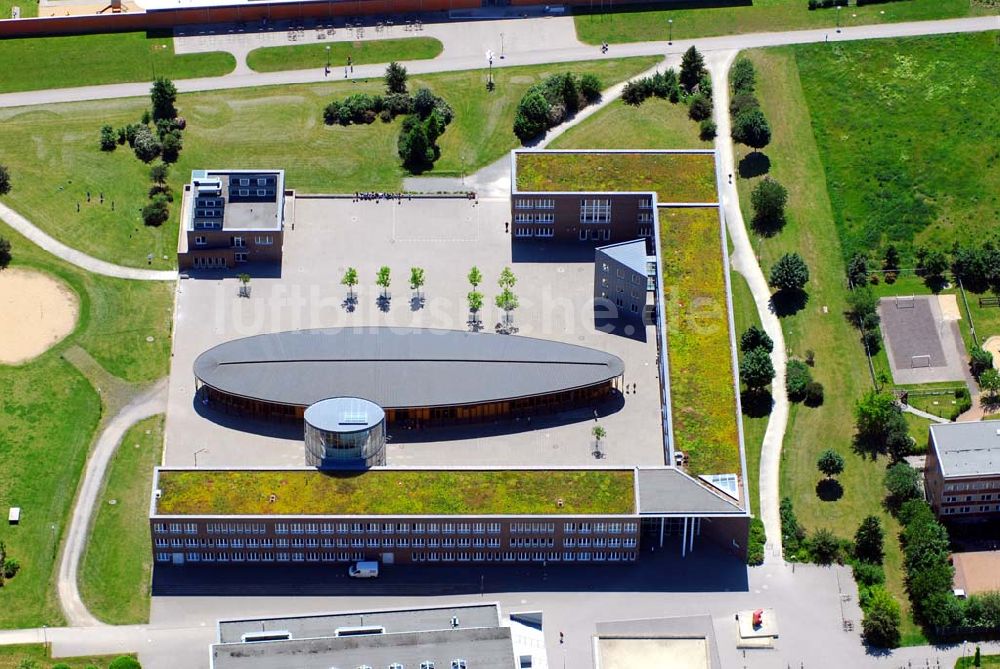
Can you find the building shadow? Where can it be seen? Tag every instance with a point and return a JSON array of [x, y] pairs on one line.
[[628, 328], [256, 270], [709, 568], [278, 429], [525, 250]]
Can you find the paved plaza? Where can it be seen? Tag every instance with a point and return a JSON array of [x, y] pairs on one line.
[[445, 236], [922, 340]]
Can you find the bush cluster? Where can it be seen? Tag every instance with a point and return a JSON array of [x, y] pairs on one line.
[[550, 102], [756, 369], [862, 311], [929, 573], [793, 535], [5, 254], [750, 126], [693, 85], [800, 385], [755, 544], [8, 565]]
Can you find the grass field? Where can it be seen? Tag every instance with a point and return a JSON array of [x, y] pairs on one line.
[[49, 412], [53, 155], [116, 568], [987, 660], [821, 326], [36, 63], [745, 314], [655, 124], [29, 8], [12, 657], [702, 394], [305, 56], [921, 163], [639, 25]]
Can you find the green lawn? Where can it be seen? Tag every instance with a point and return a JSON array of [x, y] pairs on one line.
[[745, 314], [29, 8], [638, 24], [821, 326], [53, 154], [116, 568], [12, 657], [49, 412], [305, 56], [918, 428], [655, 124], [908, 132], [675, 177], [987, 660], [35, 63], [703, 398], [487, 492]]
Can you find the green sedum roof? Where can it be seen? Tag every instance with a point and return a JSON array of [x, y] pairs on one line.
[[396, 492], [675, 177]]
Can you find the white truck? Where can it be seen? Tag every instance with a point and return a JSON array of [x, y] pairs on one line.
[[363, 570]]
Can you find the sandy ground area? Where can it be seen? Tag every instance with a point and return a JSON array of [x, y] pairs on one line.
[[45, 311], [949, 307], [977, 572]]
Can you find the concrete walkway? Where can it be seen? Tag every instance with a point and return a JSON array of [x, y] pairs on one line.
[[531, 52], [744, 261], [78, 258], [149, 403], [923, 414]]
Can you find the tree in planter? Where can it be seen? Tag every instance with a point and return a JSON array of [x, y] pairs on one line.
[[869, 540], [830, 463], [416, 283], [395, 78], [599, 434], [163, 96], [350, 279], [768, 200], [5, 254], [475, 277], [157, 211], [692, 69], [752, 129], [244, 280], [383, 279], [4, 180], [754, 337], [507, 301], [790, 273], [475, 300], [756, 370]]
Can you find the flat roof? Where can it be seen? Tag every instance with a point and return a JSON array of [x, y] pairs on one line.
[[400, 367], [684, 642], [233, 210], [394, 492], [344, 414], [631, 254], [665, 491], [675, 176], [967, 449], [393, 620]]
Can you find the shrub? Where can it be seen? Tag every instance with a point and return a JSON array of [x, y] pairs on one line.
[[790, 272], [145, 145], [157, 211], [869, 540], [797, 378], [171, 147], [752, 129], [10, 568], [756, 541], [755, 337], [699, 107], [868, 574], [636, 92], [108, 138], [743, 102], [814, 394], [979, 361], [857, 270], [444, 109], [590, 88], [532, 117], [768, 199], [61, 665], [706, 130], [756, 370], [743, 76], [792, 533], [824, 547], [557, 114], [5, 255], [331, 113], [395, 78], [880, 626], [830, 463], [423, 102], [398, 104], [125, 662]]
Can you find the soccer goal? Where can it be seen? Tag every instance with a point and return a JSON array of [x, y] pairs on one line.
[[904, 301], [920, 361]]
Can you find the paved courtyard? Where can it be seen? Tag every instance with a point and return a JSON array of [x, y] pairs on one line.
[[445, 237], [922, 340]]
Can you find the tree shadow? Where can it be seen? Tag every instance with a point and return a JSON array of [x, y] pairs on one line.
[[754, 164], [383, 302], [767, 227], [788, 302], [756, 403], [829, 490], [935, 283], [350, 304], [416, 303]]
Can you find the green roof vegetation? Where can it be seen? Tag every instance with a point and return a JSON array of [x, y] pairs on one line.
[[390, 493], [675, 177], [702, 394]]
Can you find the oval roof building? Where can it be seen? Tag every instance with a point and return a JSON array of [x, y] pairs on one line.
[[402, 368]]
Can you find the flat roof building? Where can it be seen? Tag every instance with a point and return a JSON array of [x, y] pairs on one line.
[[962, 476]]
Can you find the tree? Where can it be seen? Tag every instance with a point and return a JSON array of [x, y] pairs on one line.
[[125, 662], [244, 280], [756, 369], [5, 254], [743, 76], [163, 96], [989, 381], [475, 277], [797, 380], [157, 211], [145, 145], [863, 308], [171, 146], [27, 663], [890, 260], [977, 659], [599, 433], [692, 69], [395, 78], [159, 173], [789, 273], [507, 301], [699, 107], [416, 280], [754, 337], [752, 129], [475, 300], [830, 462], [824, 546], [979, 361], [857, 270], [507, 278], [350, 279], [383, 279], [532, 116], [880, 427], [707, 130], [880, 626], [109, 141], [902, 484], [869, 540], [768, 200], [61, 665], [590, 87], [415, 147], [423, 102], [4, 180]]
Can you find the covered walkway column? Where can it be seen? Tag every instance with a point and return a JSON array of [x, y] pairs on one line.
[[684, 538]]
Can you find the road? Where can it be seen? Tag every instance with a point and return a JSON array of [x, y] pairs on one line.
[[149, 403]]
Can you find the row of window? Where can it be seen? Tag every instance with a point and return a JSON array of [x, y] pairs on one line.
[[595, 235], [975, 485], [397, 528], [534, 218], [356, 542], [969, 498], [525, 203], [982, 508], [421, 556], [534, 232]]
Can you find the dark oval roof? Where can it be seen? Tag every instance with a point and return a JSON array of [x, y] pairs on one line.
[[400, 367]]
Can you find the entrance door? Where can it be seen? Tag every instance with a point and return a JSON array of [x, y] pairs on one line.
[[178, 558], [388, 558]]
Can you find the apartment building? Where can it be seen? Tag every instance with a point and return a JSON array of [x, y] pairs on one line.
[[962, 477]]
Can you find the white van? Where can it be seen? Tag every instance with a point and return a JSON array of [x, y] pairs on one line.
[[363, 570]]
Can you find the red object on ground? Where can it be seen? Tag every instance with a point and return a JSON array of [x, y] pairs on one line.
[[757, 616]]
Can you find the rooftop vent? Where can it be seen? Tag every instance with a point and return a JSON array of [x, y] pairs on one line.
[[559, 502], [272, 498]]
